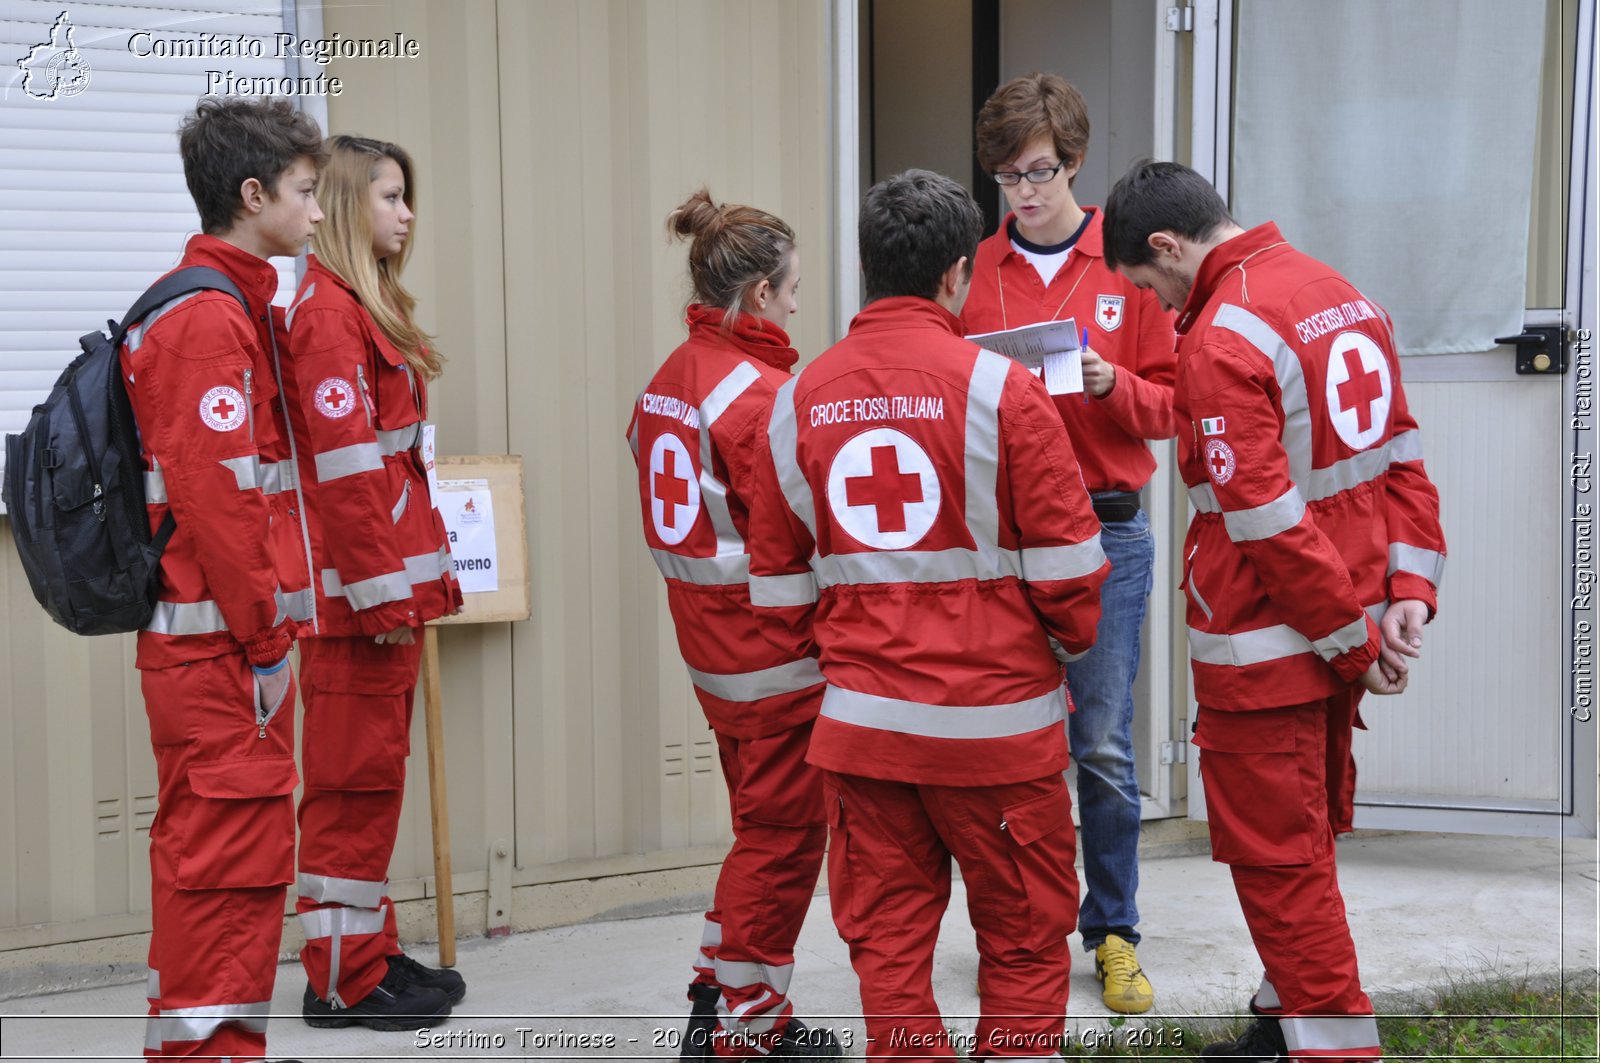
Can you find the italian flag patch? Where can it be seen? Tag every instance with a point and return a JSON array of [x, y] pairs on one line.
[[1213, 426]]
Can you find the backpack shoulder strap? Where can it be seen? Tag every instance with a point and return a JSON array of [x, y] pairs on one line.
[[179, 282]]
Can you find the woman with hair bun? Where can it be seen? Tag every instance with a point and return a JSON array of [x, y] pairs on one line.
[[356, 386], [694, 434]]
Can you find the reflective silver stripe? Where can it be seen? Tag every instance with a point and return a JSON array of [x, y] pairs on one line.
[[1041, 563], [288, 319], [916, 566], [152, 984], [737, 974], [1407, 446], [277, 476], [322, 923], [739, 1020], [400, 507], [298, 605], [348, 461], [1429, 564], [704, 571], [764, 683], [1291, 383], [355, 892], [197, 1024], [1353, 471], [710, 938], [944, 721], [186, 618], [152, 1033], [713, 492], [778, 591], [785, 457], [135, 336], [246, 471], [1267, 995], [155, 486], [1266, 520], [1204, 499], [1324, 1034], [394, 440], [391, 586], [1350, 637], [982, 448]]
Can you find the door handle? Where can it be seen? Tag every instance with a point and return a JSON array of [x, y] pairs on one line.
[[1541, 350]]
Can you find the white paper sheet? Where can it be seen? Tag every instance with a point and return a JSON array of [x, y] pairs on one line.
[[468, 511]]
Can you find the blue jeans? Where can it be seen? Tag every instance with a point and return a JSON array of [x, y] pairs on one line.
[[1100, 734]]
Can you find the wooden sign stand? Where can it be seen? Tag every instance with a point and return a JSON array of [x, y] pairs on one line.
[[510, 602]]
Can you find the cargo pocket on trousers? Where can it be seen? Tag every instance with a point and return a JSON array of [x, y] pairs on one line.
[[1256, 797], [238, 830], [1043, 846], [357, 733], [843, 867]]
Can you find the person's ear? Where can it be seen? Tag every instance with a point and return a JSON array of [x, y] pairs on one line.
[[760, 294], [1165, 244], [253, 195], [954, 277]]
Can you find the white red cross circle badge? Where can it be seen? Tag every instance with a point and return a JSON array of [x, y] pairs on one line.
[[222, 409], [1359, 389], [674, 489], [1220, 462], [335, 397], [883, 490], [1108, 312]]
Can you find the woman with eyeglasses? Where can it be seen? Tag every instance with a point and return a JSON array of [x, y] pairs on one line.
[[355, 379], [1045, 264]]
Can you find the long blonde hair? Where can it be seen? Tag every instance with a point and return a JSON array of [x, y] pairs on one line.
[[343, 243]]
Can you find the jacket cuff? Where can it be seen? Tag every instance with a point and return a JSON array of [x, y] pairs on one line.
[[271, 646], [1403, 585], [386, 617], [1350, 665]]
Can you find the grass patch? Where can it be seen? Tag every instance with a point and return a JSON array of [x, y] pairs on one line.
[[1524, 1019]]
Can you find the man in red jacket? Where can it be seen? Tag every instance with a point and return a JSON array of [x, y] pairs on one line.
[[214, 659], [920, 510], [1314, 560]]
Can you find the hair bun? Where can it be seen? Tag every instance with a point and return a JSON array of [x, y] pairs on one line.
[[697, 217]]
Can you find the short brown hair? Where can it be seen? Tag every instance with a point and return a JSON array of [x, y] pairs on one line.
[[228, 140], [1031, 106], [733, 249]]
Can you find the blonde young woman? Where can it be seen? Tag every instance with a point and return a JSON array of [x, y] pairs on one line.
[[356, 377]]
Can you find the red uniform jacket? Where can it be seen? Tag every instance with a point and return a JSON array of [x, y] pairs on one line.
[[1305, 466], [378, 546], [693, 434], [201, 377], [920, 497], [1127, 327]]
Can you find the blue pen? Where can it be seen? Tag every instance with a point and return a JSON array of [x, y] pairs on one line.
[[1085, 346]]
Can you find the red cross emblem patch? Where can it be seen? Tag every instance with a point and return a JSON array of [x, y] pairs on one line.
[[1108, 312], [1359, 389], [883, 490], [335, 398], [1220, 463], [222, 409], [674, 488]]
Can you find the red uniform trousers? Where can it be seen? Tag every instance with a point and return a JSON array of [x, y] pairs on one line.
[[358, 700], [221, 857], [889, 880], [764, 888], [1268, 794]]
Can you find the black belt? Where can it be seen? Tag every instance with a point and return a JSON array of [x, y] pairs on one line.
[[1116, 506]]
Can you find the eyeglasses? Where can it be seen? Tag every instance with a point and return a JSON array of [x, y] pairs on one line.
[[1035, 177]]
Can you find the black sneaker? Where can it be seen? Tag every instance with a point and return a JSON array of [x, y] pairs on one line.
[[393, 1004], [800, 1042], [410, 972], [1261, 1042], [702, 1021]]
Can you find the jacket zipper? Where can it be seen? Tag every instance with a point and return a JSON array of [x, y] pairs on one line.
[[366, 399], [1194, 588], [249, 404]]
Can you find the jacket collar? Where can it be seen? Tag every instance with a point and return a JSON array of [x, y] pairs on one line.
[[1222, 260], [257, 278], [755, 336], [380, 340], [1090, 243], [900, 311]]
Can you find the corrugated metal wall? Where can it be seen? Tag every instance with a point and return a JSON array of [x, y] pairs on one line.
[[552, 139]]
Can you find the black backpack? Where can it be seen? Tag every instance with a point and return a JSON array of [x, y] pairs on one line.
[[74, 484]]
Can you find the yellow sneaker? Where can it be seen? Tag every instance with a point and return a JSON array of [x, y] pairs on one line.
[[1126, 988]]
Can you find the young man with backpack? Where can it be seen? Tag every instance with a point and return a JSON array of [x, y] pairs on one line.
[[234, 580]]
